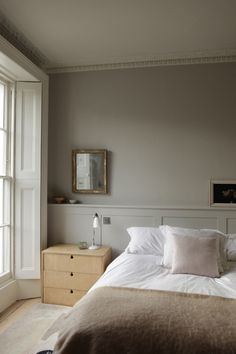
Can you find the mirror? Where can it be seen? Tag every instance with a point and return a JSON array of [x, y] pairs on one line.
[[89, 171]]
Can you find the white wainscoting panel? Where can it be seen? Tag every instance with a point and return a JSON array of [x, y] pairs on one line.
[[73, 223]]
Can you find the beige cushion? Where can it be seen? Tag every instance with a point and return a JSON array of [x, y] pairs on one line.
[[195, 255], [168, 231]]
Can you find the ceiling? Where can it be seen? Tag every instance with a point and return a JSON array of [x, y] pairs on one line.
[[67, 34]]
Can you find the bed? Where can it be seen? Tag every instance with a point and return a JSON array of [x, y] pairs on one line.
[[140, 305]]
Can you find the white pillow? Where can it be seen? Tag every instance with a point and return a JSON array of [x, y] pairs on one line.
[[168, 247], [230, 247], [145, 240]]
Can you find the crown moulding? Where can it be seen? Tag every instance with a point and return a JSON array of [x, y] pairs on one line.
[[167, 61], [17, 39], [20, 42]]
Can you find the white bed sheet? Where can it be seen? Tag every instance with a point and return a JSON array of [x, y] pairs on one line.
[[146, 272]]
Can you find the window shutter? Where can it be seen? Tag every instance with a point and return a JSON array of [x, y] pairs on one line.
[[27, 180]]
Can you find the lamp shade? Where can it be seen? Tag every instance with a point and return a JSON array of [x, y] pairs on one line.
[[95, 221]]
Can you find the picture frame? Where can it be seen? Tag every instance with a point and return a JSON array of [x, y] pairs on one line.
[[89, 171], [223, 193]]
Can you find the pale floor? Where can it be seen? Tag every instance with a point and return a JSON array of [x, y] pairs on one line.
[[15, 311]]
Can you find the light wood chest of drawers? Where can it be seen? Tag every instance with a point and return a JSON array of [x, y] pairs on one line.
[[69, 272]]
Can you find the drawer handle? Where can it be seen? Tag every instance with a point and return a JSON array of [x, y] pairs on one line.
[[71, 291], [71, 274], [72, 256]]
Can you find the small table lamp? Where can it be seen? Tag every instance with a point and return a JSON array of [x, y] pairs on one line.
[[96, 225]]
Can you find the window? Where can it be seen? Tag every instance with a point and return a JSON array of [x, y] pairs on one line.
[[6, 177]]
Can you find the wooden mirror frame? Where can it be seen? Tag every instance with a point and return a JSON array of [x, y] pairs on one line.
[[103, 189]]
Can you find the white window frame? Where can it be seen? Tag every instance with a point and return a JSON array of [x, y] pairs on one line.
[[9, 130]]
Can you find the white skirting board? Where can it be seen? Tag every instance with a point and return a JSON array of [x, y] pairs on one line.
[[28, 288], [73, 223], [8, 294], [15, 290]]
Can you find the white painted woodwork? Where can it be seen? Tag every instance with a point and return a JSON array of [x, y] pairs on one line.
[[27, 230], [27, 180], [23, 69], [28, 288], [28, 130], [73, 223], [8, 295], [12, 70], [17, 67]]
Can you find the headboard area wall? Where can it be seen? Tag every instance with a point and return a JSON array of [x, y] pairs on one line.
[[73, 223]]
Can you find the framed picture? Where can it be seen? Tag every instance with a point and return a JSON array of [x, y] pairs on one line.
[[223, 193]]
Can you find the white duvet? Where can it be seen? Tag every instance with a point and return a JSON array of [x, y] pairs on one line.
[[146, 272]]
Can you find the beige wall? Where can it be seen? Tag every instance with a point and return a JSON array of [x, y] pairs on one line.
[[169, 130]]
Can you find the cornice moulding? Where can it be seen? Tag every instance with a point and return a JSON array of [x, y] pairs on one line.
[[19, 41], [161, 61]]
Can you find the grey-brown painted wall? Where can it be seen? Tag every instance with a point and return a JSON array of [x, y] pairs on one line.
[[168, 129]]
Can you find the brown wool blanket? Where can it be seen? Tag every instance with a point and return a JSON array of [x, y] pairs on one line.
[[113, 320]]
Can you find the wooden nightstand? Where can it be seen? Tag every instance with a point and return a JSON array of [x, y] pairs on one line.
[[69, 272]]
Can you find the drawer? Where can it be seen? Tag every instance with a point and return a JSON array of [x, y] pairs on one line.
[[65, 297], [72, 263], [69, 280]]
